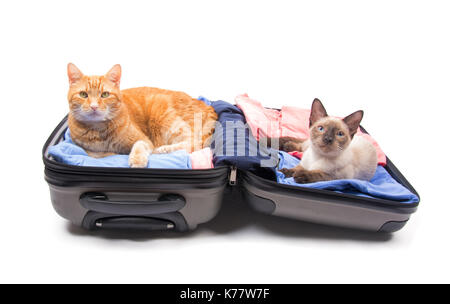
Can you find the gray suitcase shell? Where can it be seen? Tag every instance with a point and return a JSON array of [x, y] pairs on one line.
[[180, 200]]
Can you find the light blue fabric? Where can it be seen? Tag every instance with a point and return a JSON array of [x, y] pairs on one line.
[[205, 100], [69, 153], [381, 186]]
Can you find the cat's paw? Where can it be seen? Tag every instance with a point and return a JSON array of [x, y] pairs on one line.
[[291, 147], [287, 172], [303, 177], [289, 144], [161, 150], [138, 160], [139, 156]]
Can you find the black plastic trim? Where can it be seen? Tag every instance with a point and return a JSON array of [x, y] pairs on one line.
[[68, 179], [390, 227], [258, 203]]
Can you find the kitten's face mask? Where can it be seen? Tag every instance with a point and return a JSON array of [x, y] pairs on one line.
[[94, 98], [330, 136]]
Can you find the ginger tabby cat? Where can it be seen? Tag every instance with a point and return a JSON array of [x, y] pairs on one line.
[[104, 120]]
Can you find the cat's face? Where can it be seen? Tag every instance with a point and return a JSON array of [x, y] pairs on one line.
[[94, 98], [330, 136]]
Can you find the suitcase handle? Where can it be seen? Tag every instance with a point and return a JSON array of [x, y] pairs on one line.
[[99, 202], [134, 223]]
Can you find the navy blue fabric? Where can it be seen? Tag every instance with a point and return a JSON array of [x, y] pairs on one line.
[[234, 145]]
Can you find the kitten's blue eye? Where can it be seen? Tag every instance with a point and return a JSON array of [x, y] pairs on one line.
[[320, 128], [340, 134]]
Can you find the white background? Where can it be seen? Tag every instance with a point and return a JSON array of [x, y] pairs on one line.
[[390, 58]]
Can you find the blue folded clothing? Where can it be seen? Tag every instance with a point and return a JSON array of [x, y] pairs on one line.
[[69, 153], [382, 185]]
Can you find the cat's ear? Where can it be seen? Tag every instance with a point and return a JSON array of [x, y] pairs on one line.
[[317, 112], [353, 120], [114, 74], [74, 73]]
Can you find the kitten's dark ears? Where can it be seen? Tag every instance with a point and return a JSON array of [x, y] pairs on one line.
[[114, 74], [74, 73], [353, 120], [317, 112]]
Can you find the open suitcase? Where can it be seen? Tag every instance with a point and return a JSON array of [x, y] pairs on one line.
[[179, 200]]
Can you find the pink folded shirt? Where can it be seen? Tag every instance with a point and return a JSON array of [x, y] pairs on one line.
[[290, 121]]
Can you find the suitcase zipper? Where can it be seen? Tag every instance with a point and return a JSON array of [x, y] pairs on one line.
[[233, 176]]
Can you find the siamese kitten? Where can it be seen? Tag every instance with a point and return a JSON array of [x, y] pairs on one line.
[[332, 152]]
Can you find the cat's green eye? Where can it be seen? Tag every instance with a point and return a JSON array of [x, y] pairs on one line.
[[105, 94], [84, 94]]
